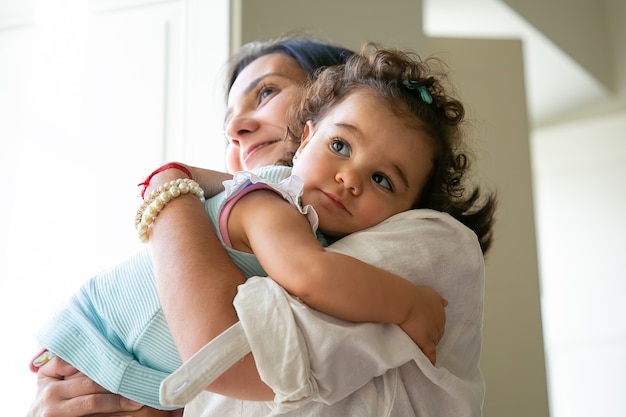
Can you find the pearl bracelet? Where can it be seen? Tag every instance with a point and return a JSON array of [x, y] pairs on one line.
[[151, 206]]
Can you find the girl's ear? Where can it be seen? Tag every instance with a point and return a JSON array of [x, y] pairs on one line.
[[307, 134]]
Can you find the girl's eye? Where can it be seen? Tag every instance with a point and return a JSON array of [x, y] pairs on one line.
[[381, 180], [340, 147]]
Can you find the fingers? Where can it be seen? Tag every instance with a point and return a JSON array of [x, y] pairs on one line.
[[426, 340], [56, 368], [442, 327], [427, 321], [144, 412], [62, 391], [430, 350], [108, 404]]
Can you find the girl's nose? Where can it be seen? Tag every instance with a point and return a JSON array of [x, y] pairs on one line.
[[350, 180]]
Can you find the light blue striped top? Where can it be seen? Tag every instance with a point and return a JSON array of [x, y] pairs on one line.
[[113, 330]]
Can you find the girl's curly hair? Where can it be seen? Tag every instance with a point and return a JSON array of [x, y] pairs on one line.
[[414, 90]]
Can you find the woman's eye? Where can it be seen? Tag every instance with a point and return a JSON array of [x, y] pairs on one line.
[[381, 180], [265, 92], [340, 147]]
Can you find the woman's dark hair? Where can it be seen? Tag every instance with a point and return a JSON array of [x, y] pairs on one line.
[[415, 93], [312, 55]]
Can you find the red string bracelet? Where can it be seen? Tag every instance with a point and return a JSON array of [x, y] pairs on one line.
[[169, 165]]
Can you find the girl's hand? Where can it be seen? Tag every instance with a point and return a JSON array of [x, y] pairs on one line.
[[62, 391], [426, 322], [209, 180]]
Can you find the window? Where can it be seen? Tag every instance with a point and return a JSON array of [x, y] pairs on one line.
[[94, 96]]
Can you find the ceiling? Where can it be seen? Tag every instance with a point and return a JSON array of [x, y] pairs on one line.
[[555, 83]]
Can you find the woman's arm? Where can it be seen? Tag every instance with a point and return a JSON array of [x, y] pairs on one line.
[[335, 284], [197, 283], [63, 391]]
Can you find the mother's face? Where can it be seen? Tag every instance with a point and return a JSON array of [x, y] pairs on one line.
[[257, 108]]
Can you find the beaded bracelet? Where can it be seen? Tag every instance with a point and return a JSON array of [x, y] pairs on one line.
[[151, 206]]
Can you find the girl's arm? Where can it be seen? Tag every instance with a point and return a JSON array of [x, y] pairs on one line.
[[210, 180], [338, 285]]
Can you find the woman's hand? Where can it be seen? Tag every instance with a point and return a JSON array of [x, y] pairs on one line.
[[62, 391], [427, 321]]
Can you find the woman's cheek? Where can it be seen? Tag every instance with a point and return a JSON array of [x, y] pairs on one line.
[[233, 161]]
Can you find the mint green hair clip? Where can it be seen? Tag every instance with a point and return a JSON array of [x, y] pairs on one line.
[[424, 94]]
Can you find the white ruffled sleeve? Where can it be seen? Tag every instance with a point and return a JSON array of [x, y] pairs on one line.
[[290, 189]]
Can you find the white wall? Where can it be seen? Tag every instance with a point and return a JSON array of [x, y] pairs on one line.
[[576, 165], [93, 96], [580, 196], [512, 359]]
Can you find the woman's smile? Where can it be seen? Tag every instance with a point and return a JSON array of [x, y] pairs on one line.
[[255, 149]]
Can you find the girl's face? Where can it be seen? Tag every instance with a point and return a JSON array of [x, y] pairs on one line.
[[257, 108], [361, 164]]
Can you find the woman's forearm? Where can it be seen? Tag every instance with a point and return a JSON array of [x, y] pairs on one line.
[[197, 283]]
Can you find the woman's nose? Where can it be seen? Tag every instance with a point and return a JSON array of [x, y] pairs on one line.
[[238, 128]]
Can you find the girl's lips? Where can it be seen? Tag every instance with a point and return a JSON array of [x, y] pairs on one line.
[[335, 200]]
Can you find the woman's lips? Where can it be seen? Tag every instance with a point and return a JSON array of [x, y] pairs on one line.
[[254, 149]]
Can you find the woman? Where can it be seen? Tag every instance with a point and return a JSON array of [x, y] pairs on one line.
[[406, 245], [250, 138]]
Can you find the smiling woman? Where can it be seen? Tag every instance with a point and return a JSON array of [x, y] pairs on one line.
[[255, 119]]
